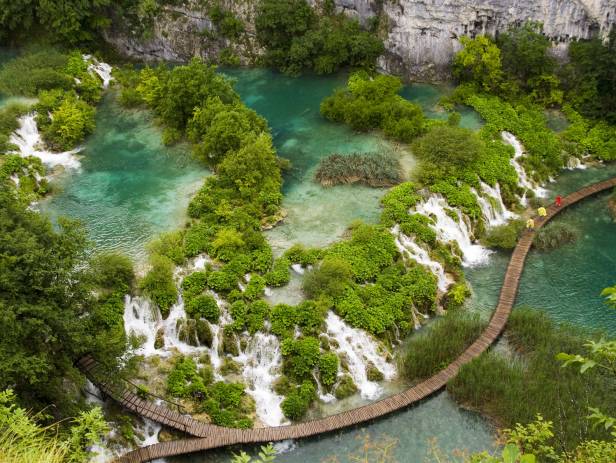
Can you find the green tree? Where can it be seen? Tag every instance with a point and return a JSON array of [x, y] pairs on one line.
[[53, 309], [479, 63]]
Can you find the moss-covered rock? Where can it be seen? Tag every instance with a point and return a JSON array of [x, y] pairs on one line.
[[346, 387], [159, 341], [230, 343], [373, 373], [204, 333], [230, 366], [187, 331]]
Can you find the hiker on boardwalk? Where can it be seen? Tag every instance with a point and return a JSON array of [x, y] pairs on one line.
[[530, 224], [541, 212], [559, 201]]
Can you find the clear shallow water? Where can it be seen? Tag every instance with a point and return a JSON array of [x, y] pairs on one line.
[[130, 186]]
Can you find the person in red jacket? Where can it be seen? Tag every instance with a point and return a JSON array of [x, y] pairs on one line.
[[559, 201]]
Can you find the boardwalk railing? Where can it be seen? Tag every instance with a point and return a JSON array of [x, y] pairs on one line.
[[220, 437]]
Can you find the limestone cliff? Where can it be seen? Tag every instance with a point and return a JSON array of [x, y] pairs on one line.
[[420, 36]]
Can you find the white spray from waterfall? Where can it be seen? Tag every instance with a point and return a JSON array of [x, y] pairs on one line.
[[29, 142], [524, 180], [408, 247], [261, 363], [101, 69], [457, 230], [493, 208], [359, 349], [575, 163]]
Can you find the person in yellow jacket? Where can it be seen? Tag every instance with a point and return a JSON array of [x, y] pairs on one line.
[[530, 224], [542, 212]]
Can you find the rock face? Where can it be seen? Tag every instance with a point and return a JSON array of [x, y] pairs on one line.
[[423, 34], [420, 36]]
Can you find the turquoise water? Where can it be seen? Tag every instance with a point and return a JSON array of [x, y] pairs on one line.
[[130, 186]]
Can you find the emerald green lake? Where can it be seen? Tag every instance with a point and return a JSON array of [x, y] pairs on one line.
[[130, 187]]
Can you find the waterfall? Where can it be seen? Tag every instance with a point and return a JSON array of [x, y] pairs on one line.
[[359, 349], [493, 208], [150, 431], [408, 247], [142, 320], [29, 143], [448, 229], [575, 163], [297, 268], [261, 361], [524, 180], [101, 69]]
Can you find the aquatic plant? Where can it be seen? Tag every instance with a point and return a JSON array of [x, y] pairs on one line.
[[504, 236], [440, 344], [514, 389], [375, 170], [554, 235]]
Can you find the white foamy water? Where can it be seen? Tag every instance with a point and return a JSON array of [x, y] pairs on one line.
[[149, 430], [408, 248], [297, 268], [493, 208], [261, 363], [448, 229], [101, 69], [524, 180], [575, 163], [29, 143], [359, 349]]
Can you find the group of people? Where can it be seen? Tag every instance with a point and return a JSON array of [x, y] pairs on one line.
[[542, 212]]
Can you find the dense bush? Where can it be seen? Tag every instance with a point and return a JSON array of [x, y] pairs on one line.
[[301, 356], [158, 284], [554, 235], [369, 103], [33, 72], [308, 316], [229, 405], [63, 119], [330, 278], [297, 402], [514, 391], [203, 306], [504, 236], [441, 344], [375, 170], [111, 270], [328, 368], [56, 305], [297, 39]]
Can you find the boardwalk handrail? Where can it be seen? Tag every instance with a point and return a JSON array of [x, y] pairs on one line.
[[221, 437]]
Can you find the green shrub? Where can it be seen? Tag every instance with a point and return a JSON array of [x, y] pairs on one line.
[[554, 235], [158, 284], [330, 278], [203, 306], [170, 245], [308, 316], [440, 344], [279, 275], [227, 405], [504, 236], [183, 379], [33, 72], [301, 356], [193, 285], [369, 103], [111, 270], [328, 368], [296, 403]]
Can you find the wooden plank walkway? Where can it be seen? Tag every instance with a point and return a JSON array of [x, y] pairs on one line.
[[210, 437]]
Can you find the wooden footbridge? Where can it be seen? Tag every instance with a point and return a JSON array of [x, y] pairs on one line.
[[206, 436]]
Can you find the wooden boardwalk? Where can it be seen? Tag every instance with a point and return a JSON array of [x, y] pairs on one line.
[[209, 436]]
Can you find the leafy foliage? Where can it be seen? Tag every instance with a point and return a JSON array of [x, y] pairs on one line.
[[375, 170], [369, 103], [297, 39]]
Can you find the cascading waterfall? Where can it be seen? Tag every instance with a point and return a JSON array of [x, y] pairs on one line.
[[101, 69], [28, 140], [408, 247], [359, 349], [149, 430], [575, 163], [448, 229], [493, 208], [261, 361], [524, 180]]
